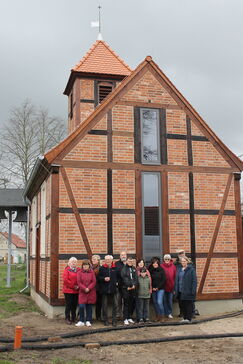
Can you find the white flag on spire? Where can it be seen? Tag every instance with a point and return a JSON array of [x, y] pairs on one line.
[[95, 24]]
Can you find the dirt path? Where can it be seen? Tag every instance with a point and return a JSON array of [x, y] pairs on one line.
[[227, 350]]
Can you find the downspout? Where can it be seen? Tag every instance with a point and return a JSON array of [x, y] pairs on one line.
[[27, 249]]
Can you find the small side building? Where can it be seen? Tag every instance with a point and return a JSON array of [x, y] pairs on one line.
[[140, 170], [18, 248]]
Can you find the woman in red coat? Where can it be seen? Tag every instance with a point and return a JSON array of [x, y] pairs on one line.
[[170, 272], [87, 293], [70, 289]]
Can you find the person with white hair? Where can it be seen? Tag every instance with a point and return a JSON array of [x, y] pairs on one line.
[[70, 290], [170, 272], [120, 265], [108, 282]]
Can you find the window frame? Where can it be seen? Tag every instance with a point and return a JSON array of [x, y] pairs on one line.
[[144, 161]]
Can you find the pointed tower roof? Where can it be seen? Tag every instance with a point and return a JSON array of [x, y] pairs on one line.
[[102, 59]]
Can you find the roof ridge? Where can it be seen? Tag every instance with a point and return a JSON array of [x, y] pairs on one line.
[[87, 54], [223, 146], [83, 127], [92, 49], [116, 55]]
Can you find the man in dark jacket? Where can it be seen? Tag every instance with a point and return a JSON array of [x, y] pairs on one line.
[[108, 279], [129, 285], [120, 264]]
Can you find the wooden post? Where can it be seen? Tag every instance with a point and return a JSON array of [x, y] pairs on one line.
[[18, 337]]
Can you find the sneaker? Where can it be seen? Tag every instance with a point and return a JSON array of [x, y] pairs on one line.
[[130, 321], [185, 321], [147, 321], [68, 322], [80, 323], [126, 323], [140, 321], [88, 323], [170, 316]]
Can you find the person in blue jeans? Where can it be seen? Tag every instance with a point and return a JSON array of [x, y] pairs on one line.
[[158, 278]]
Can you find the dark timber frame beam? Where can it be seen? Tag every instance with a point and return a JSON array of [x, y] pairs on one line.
[[76, 212], [215, 234]]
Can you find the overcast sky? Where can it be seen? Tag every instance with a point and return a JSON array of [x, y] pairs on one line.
[[197, 43]]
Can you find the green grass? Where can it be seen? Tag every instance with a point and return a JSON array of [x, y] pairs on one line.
[[6, 361], [11, 300]]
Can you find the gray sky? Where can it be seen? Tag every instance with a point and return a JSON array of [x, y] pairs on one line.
[[197, 43]]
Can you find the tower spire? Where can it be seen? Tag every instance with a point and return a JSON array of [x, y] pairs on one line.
[[97, 24], [99, 35]]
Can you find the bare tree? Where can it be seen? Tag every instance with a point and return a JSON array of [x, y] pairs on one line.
[[29, 132], [50, 130]]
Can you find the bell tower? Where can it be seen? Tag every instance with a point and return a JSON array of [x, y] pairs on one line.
[[91, 80]]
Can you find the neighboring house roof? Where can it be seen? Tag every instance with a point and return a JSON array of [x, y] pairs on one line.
[[102, 59], [60, 150], [16, 240], [12, 197]]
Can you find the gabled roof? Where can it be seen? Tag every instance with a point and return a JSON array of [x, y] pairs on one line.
[[67, 144], [16, 240], [102, 59], [12, 197]]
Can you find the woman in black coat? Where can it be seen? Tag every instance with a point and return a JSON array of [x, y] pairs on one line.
[[158, 278], [186, 288]]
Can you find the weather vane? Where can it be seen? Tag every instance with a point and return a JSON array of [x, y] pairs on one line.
[[99, 7], [97, 24]]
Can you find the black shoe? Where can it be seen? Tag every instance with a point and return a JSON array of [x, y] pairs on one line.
[[106, 323], [68, 321], [114, 323], [180, 315]]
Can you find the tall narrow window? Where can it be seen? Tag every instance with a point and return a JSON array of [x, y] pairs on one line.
[[33, 226], [151, 215], [150, 136], [43, 221]]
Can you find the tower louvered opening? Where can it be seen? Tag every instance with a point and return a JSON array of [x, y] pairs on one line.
[[103, 90]]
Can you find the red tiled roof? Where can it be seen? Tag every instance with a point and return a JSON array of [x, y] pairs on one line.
[[102, 59], [16, 240]]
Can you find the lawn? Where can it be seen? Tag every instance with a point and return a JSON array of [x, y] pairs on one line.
[[9, 305]]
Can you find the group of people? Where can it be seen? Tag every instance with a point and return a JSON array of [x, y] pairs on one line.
[[127, 286]]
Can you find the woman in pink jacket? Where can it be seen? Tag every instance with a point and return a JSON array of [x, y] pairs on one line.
[[70, 290], [170, 272], [87, 293]]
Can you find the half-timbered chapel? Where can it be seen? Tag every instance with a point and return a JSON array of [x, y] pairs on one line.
[[140, 170]]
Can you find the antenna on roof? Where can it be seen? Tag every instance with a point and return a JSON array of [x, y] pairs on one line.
[[97, 24]]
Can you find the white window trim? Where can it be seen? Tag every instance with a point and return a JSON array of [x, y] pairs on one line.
[[43, 221], [33, 223]]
